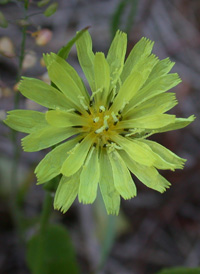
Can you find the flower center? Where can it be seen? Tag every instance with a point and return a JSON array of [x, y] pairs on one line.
[[103, 123]]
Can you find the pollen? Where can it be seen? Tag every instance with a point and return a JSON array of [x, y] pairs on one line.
[[103, 122]]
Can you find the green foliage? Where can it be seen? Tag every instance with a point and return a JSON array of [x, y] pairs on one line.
[[180, 270], [51, 252], [43, 3], [64, 51], [51, 9], [116, 19], [118, 14], [3, 21]]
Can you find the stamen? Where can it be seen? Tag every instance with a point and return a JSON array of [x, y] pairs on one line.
[[102, 109], [105, 121], [147, 135], [114, 118], [123, 106], [134, 131], [83, 103], [113, 146], [105, 125], [68, 110], [96, 119], [95, 92], [114, 93]]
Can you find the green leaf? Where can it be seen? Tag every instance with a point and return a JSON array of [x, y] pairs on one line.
[[64, 51], [131, 15], [179, 270], [51, 252], [51, 9], [3, 21], [117, 16], [42, 3], [126, 5]]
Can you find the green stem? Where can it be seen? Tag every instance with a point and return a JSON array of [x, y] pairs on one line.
[[108, 241], [16, 104], [46, 211], [15, 210]]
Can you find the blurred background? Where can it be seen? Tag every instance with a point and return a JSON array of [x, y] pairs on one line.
[[153, 230]]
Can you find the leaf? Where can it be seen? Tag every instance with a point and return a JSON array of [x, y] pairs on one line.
[[180, 270], [64, 51], [131, 6], [51, 9], [42, 3], [131, 15], [3, 21], [51, 252], [117, 16]]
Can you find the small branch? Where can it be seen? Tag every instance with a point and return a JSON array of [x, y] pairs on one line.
[[46, 211]]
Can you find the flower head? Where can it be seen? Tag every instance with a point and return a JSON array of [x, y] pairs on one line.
[[105, 133]]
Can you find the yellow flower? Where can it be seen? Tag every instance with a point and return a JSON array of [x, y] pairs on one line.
[[105, 132]]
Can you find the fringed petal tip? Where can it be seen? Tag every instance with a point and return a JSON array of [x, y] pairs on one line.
[[60, 208], [40, 179], [128, 197], [112, 212], [147, 41], [87, 201], [163, 188], [121, 33], [24, 145]]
